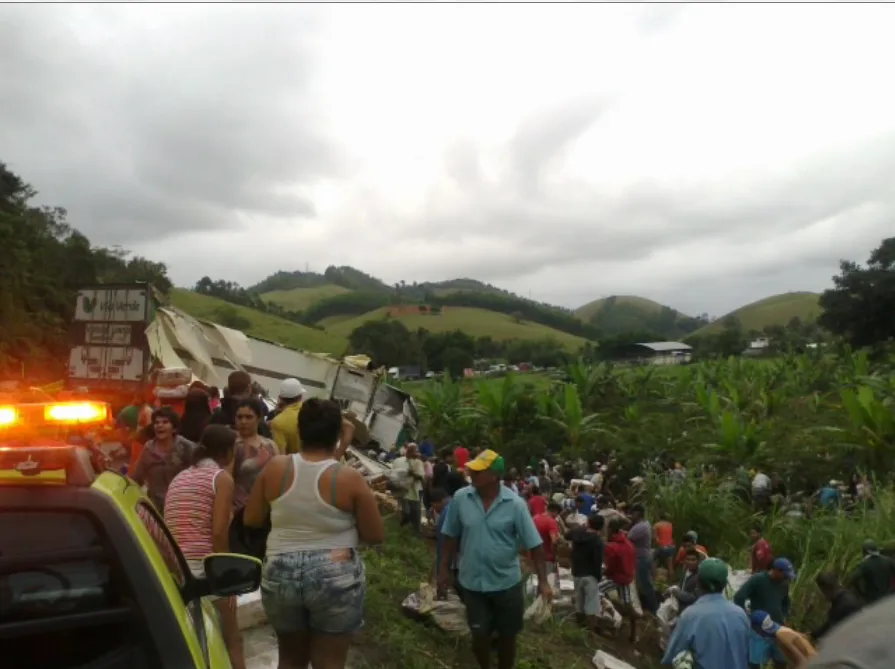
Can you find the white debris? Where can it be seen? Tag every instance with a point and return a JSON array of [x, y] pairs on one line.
[[603, 660]]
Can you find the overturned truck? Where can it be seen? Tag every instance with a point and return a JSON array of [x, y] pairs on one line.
[[122, 334]]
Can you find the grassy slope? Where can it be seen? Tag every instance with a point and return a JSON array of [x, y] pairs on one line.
[[390, 640], [264, 326], [299, 299], [474, 322], [587, 311], [775, 310]]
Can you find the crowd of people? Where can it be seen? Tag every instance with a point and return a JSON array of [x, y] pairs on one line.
[[228, 474], [615, 553], [232, 476]]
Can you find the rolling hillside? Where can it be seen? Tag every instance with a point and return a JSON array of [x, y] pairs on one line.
[[299, 299], [619, 314], [474, 322], [591, 309], [774, 310], [258, 324]]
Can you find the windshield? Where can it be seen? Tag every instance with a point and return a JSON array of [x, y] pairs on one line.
[[63, 598]]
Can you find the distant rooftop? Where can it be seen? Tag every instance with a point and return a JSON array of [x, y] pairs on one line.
[[662, 346]]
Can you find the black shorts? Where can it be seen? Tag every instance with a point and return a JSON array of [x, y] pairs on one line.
[[499, 613]]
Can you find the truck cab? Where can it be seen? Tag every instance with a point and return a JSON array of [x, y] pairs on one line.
[[90, 577]]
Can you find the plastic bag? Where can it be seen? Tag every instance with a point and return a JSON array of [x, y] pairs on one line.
[[667, 615], [428, 597], [609, 616], [171, 392], [174, 376], [603, 660], [539, 611]]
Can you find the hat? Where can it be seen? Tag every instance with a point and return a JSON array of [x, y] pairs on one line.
[[713, 572], [784, 565], [291, 389], [691, 536], [763, 623], [487, 460]]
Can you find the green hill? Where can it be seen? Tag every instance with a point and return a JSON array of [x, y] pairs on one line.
[[774, 310], [299, 299], [474, 322], [258, 324], [620, 314], [591, 309]]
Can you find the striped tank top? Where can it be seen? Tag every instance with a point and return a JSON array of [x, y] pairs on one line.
[[189, 506]]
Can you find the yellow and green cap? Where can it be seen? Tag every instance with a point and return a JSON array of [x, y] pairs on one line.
[[485, 461]]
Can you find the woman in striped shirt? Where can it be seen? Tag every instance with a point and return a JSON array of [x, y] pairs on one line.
[[198, 507]]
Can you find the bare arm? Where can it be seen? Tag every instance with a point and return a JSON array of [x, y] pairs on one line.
[[537, 556], [258, 507], [449, 550], [222, 512], [139, 474], [370, 526], [345, 440]]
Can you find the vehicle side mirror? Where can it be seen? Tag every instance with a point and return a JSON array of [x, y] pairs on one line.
[[229, 574]]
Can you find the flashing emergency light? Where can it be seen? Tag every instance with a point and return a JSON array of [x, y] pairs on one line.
[[76, 412], [8, 416], [55, 413]]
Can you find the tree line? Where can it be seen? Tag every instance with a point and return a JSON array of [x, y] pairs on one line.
[[390, 343], [45, 261]]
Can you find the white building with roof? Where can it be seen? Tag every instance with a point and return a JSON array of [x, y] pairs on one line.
[[663, 352]]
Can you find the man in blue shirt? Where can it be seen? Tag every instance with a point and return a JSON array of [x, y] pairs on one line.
[[495, 525], [713, 630]]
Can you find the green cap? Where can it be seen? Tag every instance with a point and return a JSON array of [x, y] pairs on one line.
[[713, 574]]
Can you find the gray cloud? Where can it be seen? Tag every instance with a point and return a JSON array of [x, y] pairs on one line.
[[171, 130], [175, 130]]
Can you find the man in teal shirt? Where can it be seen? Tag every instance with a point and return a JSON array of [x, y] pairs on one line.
[[767, 591], [494, 525]]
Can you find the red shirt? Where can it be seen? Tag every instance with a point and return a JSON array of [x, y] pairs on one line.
[[537, 505], [762, 556], [621, 560], [461, 457], [548, 528], [682, 554]]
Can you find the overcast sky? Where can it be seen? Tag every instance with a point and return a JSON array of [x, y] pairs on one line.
[[703, 156]]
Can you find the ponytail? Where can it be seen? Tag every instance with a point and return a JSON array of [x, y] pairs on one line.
[[217, 442]]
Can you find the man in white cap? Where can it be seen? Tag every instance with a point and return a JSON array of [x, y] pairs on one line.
[[285, 426]]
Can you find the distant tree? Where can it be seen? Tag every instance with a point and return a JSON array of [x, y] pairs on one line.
[[455, 360], [518, 317], [388, 342], [861, 305]]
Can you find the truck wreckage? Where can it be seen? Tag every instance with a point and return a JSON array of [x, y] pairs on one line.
[[122, 334]]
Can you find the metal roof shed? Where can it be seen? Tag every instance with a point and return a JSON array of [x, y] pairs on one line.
[[665, 346]]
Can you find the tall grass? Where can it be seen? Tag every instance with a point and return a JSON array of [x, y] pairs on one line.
[[823, 542]]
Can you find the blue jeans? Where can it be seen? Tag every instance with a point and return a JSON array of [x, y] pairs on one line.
[[318, 591], [645, 584]]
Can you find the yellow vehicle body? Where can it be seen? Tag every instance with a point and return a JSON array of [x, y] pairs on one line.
[[109, 564], [126, 496]]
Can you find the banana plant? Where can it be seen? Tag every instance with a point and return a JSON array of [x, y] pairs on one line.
[[578, 428], [440, 407], [494, 409], [871, 431], [738, 439]]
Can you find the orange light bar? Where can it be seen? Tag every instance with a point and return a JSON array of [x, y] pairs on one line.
[[8, 416], [76, 412]]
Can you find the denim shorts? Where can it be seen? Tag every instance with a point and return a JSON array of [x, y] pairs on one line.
[[587, 596], [318, 591]]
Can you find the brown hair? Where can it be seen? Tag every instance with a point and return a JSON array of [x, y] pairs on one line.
[[239, 382]]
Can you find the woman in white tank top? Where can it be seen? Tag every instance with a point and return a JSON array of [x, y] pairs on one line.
[[313, 583]]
